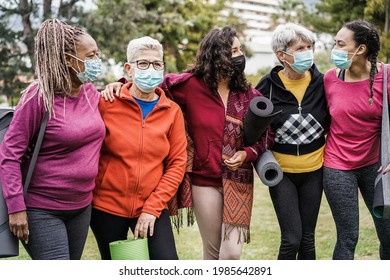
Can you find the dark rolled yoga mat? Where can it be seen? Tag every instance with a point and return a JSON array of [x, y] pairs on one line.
[[259, 116]]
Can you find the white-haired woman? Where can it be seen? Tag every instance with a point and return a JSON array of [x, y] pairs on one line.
[[143, 157], [296, 87]]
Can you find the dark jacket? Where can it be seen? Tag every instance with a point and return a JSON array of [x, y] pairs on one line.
[[300, 128]]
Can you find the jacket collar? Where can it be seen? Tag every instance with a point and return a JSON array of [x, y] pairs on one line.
[[274, 77], [126, 95]]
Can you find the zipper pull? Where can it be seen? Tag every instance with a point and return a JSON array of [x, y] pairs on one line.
[[299, 108]]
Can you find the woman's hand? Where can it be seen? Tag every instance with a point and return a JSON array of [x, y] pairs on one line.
[[236, 160], [387, 169], [18, 225], [111, 90], [145, 222]]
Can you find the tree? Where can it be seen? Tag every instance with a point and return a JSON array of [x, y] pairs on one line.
[[378, 11], [17, 43], [289, 11], [12, 64], [332, 14], [179, 25]]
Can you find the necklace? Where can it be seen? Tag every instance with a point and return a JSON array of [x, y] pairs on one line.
[[224, 102]]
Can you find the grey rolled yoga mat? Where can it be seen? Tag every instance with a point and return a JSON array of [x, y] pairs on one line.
[[268, 169], [381, 204], [9, 244], [259, 116]]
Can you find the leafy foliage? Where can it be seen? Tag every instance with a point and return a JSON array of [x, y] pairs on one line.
[[179, 25], [332, 14], [17, 42]]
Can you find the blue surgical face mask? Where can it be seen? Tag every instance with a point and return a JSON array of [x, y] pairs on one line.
[[148, 80], [340, 58], [93, 69], [302, 61]]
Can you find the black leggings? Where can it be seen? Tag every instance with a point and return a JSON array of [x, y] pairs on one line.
[[342, 192], [108, 228], [297, 200]]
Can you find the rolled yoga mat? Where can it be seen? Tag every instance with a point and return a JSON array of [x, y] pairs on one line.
[[268, 169], [9, 244], [130, 249], [259, 116], [381, 204]]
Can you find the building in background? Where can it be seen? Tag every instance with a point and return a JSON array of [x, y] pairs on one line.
[[257, 14]]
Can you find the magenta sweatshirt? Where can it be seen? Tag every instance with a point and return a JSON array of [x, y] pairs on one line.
[[64, 175]]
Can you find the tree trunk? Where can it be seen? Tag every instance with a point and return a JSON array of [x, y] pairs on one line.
[[25, 10], [65, 9], [47, 9]]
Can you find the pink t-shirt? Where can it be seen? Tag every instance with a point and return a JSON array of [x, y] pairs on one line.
[[353, 140]]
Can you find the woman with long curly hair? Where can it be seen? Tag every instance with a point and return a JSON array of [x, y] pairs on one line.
[[214, 96]]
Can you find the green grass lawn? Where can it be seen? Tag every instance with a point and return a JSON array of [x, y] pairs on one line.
[[265, 235]]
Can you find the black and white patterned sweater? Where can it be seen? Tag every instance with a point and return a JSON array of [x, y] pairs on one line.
[[300, 129]]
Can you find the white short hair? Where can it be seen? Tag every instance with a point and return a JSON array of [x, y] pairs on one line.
[[138, 45], [287, 34]]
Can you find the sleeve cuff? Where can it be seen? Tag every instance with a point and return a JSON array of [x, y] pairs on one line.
[[251, 154], [15, 204]]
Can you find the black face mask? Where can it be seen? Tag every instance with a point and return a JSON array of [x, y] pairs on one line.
[[238, 64]]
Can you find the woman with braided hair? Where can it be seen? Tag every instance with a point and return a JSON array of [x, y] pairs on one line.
[[354, 94], [52, 218]]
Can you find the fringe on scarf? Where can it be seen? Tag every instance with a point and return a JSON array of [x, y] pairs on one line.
[[243, 232], [178, 220]]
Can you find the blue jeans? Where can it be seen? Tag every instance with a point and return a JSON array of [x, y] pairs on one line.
[[57, 235]]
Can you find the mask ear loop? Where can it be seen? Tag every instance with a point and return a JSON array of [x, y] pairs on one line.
[[355, 52], [285, 61], [77, 59]]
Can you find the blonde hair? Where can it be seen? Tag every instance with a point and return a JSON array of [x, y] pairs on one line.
[[54, 39], [135, 46]]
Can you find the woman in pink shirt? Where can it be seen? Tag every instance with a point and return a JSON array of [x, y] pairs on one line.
[[52, 219], [354, 94]]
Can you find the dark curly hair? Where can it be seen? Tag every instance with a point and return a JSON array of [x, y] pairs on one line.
[[213, 61], [366, 33]]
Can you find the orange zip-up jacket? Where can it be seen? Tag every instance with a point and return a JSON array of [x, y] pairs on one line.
[[142, 162]]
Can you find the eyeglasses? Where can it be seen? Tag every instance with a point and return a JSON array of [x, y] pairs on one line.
[[144, 64]]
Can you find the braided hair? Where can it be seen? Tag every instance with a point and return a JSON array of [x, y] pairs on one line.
[[54, 39], [367, 34]]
